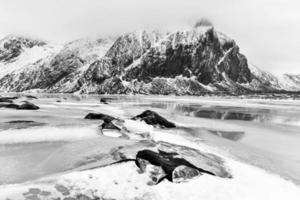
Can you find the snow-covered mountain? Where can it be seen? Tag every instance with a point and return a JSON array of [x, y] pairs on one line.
[[193, 61], [269, 82]]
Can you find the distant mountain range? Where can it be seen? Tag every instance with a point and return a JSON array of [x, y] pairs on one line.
[[196, 61]]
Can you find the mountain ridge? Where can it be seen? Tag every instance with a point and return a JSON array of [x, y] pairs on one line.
[[193, 61]]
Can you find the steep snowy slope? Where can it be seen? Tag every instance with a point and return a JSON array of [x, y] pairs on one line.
[[290, 82], [266, 81], [51, 68]]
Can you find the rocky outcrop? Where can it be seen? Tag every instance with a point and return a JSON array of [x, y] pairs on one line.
[[99, 116], [7, 99], [167, 165], [24, 106], [108, 122], [9, 105], [152, 118], [28, 106]]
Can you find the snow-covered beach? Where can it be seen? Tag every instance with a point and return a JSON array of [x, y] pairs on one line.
[[59, 155]]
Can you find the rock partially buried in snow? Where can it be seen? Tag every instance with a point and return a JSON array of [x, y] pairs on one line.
[[183, 173], [169, 162], [7, 99], [28, 106], [152, 118], [112, 125], [203, 160], [88, 180], [99, 116], [10, 105], [155, 173], [31, 97], [105, 100], [102, 100], [108, 122]]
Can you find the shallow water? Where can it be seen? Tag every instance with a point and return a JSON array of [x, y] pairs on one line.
[[259, 132]]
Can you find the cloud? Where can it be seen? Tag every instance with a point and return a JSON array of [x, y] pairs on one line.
[[266, 30]]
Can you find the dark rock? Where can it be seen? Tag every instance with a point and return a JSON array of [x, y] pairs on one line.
[[109, 122], [110, 125], [168, 162], [28, 106], [84, 197], [156, 173], [20, 121], [31, 97], [10, 105], [103, 100], [99, 116], [7, 99], [152, 118]]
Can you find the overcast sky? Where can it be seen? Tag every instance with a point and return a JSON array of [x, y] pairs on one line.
[[267, 31]]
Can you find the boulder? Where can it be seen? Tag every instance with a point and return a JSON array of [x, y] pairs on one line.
[[152, 118], [99, 116], [169, 164], [110, 125], [155, 173], [108, 122], [10, 105], [31, 97], [7, 99], [104, 101], [179, 163], [183, 173], [28, 106], [202, 160]]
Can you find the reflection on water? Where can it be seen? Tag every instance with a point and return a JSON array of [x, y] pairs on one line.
[[257, 115], [231, 135], [226, 115], [19, 124]]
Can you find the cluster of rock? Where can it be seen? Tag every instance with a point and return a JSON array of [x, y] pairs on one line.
[[163, 160], [7, 102]]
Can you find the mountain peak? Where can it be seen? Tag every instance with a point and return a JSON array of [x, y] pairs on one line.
[[203, 22], [188, 61]]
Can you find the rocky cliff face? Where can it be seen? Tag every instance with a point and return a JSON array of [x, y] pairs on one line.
[[185, 62]]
